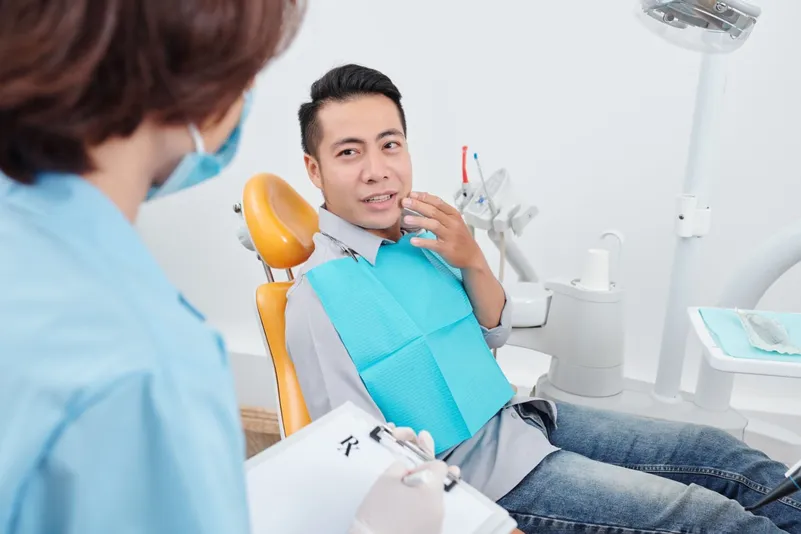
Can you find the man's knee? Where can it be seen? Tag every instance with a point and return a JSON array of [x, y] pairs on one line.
[[566, 488], [709, 439]]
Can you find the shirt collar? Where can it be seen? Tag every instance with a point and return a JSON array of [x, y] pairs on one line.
[[356, 238], [78, 213]]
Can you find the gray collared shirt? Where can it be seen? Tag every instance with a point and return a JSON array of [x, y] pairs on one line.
[[494, 460]]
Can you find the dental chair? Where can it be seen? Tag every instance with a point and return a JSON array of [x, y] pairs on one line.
[[279, 225]]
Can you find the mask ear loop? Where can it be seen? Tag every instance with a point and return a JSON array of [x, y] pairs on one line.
[[197, 139]]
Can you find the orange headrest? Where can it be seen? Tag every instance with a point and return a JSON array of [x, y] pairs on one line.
[[280, 222]]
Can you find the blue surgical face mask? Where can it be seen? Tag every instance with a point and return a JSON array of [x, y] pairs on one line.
[[199, 165]]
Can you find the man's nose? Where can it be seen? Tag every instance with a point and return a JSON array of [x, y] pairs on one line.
[[376, 168]]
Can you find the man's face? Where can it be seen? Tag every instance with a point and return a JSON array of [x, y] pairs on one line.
[[363, 166]]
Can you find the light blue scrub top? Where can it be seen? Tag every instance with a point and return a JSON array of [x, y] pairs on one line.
[[117, 407]]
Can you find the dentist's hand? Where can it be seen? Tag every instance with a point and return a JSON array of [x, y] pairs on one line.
[[424, 440], [454, 242], [393, 507]]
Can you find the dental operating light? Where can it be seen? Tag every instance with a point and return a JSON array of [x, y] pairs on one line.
[[710, 26]]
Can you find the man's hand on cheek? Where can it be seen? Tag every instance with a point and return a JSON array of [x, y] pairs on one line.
[[456, 246], [454, 242]]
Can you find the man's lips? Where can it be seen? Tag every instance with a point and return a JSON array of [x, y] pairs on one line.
[[380, 197]]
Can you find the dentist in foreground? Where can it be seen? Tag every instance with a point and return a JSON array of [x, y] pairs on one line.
[[117, 406]]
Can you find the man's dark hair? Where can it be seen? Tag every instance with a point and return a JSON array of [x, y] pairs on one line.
[[339, 85]]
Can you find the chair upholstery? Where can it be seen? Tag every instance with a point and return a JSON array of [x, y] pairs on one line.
[[280, 221], [270, 304], [281, 225]]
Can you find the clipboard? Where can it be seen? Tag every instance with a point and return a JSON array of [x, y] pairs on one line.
[[316, 479]]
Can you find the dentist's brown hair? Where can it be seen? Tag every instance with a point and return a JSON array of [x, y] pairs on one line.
[[76, 73]]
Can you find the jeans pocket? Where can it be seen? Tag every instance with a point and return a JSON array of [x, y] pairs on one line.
[[529, 413]]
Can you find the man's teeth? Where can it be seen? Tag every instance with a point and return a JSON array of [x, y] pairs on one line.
[[382, 198]]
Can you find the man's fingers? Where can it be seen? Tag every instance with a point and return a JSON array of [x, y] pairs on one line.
[[432, 225], [427, 210], [435, 201], [429, 244]]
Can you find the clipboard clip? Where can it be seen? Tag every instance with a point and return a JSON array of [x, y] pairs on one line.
[[380, 433]]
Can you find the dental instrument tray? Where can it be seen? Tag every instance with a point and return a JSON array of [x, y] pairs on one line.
[[770, 365]]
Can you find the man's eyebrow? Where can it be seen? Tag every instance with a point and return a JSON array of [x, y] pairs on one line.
[[355, 140], [347, 141], [388, 133]]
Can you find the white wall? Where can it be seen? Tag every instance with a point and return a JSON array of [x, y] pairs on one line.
[[589, 112]]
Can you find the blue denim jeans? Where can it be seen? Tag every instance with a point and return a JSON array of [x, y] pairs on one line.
[[622, 474]]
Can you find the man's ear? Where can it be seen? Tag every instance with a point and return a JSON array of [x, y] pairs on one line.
[[313, 170]]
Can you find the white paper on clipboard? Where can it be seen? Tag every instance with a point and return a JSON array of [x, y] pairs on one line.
[[315, 480]]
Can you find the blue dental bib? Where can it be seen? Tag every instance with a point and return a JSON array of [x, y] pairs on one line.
[[410, 330]]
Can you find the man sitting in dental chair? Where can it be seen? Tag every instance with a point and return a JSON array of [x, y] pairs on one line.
[[397, 312]]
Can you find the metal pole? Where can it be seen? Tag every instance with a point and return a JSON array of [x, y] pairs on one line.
[[700, 168], [512, 253], [267, 271]]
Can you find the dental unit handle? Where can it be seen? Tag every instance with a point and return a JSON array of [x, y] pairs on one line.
[[514, 255], [619, 259], [494, 206], [493, 211], [791, 485]]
